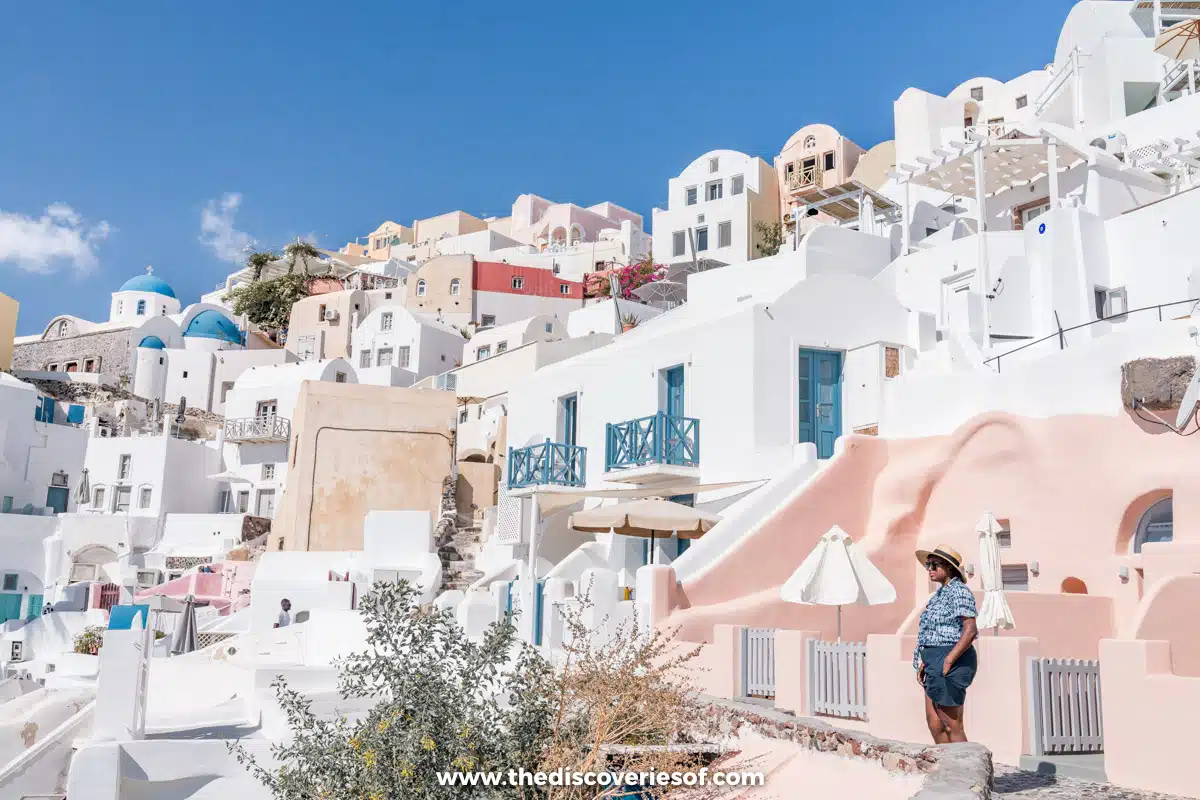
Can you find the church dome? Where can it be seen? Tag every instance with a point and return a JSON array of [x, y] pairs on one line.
[[153, 343], [147, 283], [210, 324]]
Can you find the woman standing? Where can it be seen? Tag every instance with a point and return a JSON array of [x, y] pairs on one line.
[[944, 659]]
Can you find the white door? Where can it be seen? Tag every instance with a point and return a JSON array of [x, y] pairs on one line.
[[266, 503], [956, 307]]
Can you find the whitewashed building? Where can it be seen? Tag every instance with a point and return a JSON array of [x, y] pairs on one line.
[[393, 347]]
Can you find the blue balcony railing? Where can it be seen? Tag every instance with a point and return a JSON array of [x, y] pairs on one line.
[[660, 439], [547, 464]]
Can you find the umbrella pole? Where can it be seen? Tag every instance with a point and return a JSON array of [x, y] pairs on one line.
[[650, 560], [839, 623]]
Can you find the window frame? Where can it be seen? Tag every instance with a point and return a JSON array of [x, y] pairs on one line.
[[737, 185], [421, 287], [717, 185], [724, 234], [483, 353], [145, 496], [517, 283], [386, 320], [124, 466], [678, 243], [455, 287], [364, 359], [691, 196], [701, 233], [379, 357]]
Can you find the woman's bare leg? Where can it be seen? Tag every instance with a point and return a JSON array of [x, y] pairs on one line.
[[937, 728], [952, 718]]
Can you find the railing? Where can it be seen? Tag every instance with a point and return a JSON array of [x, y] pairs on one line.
[[803, 177], [1178, 74], [258, 429], [758, 662], [837, 679], [659, 439], [1061, 333], [206, 640], [1064, 706], [547, 464], [445, 382], [1057, 82], [110, 595]]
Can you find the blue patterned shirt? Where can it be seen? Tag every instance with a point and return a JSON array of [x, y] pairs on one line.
[[942, 619]]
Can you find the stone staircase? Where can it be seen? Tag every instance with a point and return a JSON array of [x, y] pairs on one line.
[[458, 554]]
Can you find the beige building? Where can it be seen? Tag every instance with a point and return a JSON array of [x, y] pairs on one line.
[[392, 453], [418, 243], [8, 329], [814, 161], [322, 325]]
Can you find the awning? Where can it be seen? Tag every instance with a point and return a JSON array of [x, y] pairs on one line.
[[560, 497], [229, 476], [844, 201]]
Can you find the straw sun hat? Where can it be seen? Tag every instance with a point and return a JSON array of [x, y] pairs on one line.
[[947, 554]]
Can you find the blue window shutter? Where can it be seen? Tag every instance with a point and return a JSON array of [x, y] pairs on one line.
[[75, 414]]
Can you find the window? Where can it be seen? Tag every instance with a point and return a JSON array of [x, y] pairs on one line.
[[141, 308], [487, 320], [62, 328], [977, 93], [713, 165], [830, 160], [124, 467], [549, 327], [123, 495], [1111, 302], [715, 190], [98, 497], [1022, 101], [387, 295], [266, 409], [73, 366], [52, 368], [737, 184], [691, 196], [518, 282], [339, 377], [385, 321], [321, 312], [1015, 577], [144, 495], [421, 288], [384, 357], [810, 142], [1004, 535], [1156, 525], [455, 287], [364, 358], [891, 362], [677, 243], [724, 234], [243, 502], [402, 356], [462, 417], [564, 288], [268, 472], [185, 372], [701, 239], [120, 307], [482, 353], [10, 581], [502, 347], [89, 365]]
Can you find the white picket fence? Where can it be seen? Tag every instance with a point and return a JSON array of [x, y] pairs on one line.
[[1064, 706], [758, 662], [837, 679]]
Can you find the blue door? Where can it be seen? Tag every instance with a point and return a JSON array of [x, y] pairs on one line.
[[570, 419], [673, 400], [819, 399], [56, 498], [10, 607], [539, 600], [35, 607]]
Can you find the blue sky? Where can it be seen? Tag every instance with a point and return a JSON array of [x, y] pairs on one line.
[[129, 120]]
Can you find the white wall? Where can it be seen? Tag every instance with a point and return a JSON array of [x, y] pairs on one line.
[[514, 307], [175, 470], [32, 452]]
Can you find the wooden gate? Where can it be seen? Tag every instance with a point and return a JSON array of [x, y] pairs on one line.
[[758, 662], [837, 679], [1064, 706]]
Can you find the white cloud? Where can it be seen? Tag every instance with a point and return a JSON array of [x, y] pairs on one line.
[[217, 231], [59, 235]]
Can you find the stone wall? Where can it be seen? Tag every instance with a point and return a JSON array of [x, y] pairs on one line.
[[1156, 383], [953, 772], [110, 349]]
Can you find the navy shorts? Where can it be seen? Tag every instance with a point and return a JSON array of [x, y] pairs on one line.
[[948, 690]]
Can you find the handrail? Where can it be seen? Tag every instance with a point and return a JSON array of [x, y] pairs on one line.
[[1059, 334]]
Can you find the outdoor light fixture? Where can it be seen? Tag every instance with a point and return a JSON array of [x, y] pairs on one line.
[[1123, 573], [1033, 567]]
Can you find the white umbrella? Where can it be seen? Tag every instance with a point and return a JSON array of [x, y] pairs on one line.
[[646, 517], [83, 490], [184, 640], [228, 476], [1180, 42], [837, 573], [995, 612]]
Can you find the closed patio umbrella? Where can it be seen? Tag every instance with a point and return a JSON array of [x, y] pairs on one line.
[[83, 489], [647, 517], [995, 612], [837, 573], [1180, 42], [184, 640]]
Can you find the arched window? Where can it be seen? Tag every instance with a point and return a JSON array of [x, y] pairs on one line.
[[141, 308], [810, 142], [421, 288], [576, 235], [62, 328], [1156, 525], [455, 286]]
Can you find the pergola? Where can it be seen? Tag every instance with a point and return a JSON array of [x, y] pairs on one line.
[[847, 202]]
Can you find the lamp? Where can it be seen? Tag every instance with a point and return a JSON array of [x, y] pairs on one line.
[[1033, 567]]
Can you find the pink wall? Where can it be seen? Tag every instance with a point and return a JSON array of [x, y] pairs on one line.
[[892, 496], [1169, 614]]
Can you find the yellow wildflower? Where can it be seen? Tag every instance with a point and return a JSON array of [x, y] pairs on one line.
[[369, 759], [428, 743]]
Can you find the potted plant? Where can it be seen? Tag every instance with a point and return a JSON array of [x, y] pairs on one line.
[[88, 642], [628, 322]]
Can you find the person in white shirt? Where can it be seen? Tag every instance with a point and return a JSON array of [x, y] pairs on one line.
[[285, 615]]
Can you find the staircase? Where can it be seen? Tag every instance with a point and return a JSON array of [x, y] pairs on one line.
[[458, 554]]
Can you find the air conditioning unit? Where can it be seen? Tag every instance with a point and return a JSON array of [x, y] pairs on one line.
[[103, 431], [331, 315], [1117, 144], [17, 652], [58, 479], [147, 578]]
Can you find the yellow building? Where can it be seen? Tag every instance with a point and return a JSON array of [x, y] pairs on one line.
[[8, 329]]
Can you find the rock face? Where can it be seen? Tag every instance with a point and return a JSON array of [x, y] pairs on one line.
[[1156, 383]]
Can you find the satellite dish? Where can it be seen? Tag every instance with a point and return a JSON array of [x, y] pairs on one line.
[[1187, 409]]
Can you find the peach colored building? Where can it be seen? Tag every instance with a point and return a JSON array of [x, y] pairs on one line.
[[814, 158], [393, 452], [8, 329]]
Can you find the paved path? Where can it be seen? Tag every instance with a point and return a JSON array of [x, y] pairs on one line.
[[1015, 784]]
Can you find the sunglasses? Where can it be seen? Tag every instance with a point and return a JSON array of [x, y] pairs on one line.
[[931, 564]]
